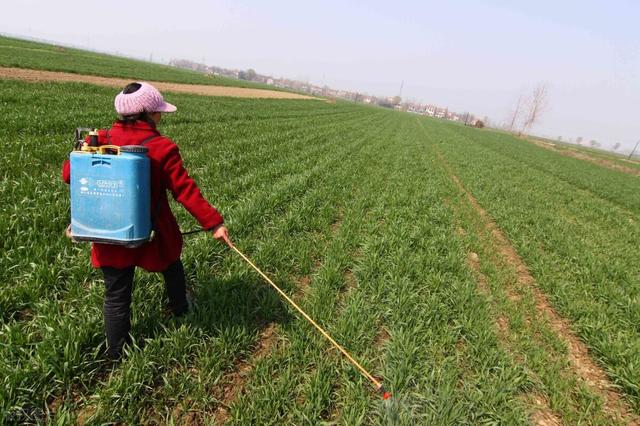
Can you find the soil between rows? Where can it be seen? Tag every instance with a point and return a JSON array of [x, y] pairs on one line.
[[584, 365]]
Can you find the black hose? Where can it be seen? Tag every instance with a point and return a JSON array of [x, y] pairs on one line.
[[195, 231]]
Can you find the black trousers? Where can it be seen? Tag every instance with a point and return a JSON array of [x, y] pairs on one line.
[[117, 301]]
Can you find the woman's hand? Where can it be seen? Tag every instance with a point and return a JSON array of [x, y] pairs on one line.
[[67, 232], [220, 233]]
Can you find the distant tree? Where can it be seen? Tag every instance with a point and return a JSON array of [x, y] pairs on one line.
[[594, 144], [515, 115], [579, 140], [249, 74], [616, 146], [537, 104], [633, 151], [385, 103], [479, 124], [396, 100]]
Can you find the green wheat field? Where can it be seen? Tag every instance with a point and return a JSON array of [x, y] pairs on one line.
[[369, 218]]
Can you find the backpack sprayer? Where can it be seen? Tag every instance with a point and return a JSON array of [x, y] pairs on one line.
[[111, 203], [110, 192]]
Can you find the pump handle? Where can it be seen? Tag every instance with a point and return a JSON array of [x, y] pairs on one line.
[[103, 148], [79, 138]]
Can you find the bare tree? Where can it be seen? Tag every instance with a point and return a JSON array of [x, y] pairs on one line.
[[634, 150], [516, 112], [616, 146], [537, 103]]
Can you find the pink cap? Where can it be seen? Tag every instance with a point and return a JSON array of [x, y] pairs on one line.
[[146, 99]]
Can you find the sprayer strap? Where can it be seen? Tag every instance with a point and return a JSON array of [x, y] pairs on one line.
[[154, 208]]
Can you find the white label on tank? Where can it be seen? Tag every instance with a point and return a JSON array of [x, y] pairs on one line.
[[102, 188], [105, 183]]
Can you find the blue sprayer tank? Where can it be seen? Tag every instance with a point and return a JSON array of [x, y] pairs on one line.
[[111, 195]]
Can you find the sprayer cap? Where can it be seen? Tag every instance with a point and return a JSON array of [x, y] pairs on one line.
[[134, 149]]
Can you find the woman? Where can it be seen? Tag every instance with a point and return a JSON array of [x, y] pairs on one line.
[[140, 107]]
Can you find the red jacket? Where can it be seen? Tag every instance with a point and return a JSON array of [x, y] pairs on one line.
[[167, 173]]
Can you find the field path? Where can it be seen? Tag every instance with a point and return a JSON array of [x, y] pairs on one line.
[[585, 367], [570, 152], [195, 89]]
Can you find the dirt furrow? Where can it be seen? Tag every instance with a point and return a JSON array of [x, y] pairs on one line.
[[542, 414], [585, 367], [36, 76], [234, 381], [473, 261]]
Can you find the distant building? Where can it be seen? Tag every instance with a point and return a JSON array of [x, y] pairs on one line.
[[430, 110], [325, 91]]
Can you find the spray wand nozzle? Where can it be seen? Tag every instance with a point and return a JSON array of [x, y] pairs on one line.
[[385, 395]]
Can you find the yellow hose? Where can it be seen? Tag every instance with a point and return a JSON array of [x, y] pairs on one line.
[[368, 375]]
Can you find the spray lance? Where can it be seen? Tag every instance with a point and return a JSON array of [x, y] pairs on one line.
[[378, 385], [375, 382], [92, 147]]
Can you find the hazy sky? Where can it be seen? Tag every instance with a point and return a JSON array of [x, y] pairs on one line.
[[467, 55]]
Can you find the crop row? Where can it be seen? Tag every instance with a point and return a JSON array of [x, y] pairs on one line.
[[576, 227]]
